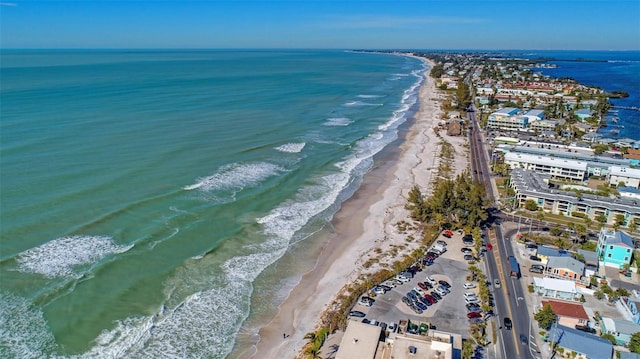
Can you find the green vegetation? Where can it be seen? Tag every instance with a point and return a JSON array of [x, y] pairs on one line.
[[634, 343], [545, 317], [460, 200], [609, 337]]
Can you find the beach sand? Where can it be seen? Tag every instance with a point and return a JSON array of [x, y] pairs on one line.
[[365, 222]]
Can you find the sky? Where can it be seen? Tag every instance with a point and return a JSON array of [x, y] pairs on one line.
[[346, 24]]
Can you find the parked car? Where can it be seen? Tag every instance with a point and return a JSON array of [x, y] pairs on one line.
[[406, 300], [470, 295], [473, 307], [441, 242], [535, 259], [585, 328], [421, 306], [507, 323], [474, 315], [431, 280], [472, 300], [536, 268], [444, 283], [357, 314], [468, 257], [436, 295], [385, 287], [420, 291], [379, 290], [392, 327], [366, 301], [427, 285], [469, 285], [476, 320], [430, 298], [466, 250], [422, 286], [402, 278]]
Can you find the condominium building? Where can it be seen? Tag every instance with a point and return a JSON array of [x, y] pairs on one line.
[[560, 168]]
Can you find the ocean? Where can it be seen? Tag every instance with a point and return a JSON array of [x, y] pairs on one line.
[[154, 201], [608, 70]]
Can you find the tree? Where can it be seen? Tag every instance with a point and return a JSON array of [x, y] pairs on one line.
[[545, 317], [609, 337], [467, 348], [531, 205], [634, 343]]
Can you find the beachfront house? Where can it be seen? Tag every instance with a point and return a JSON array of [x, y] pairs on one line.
[[585, 345], [569, 314], [615, 248], [360, 340], [622, 330]]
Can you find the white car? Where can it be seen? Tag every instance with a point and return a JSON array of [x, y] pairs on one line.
[[378, 290], [390, 284], [420, 290], [366, 301], [403, 279], [470, 295], [431, 280], [469, 285], [472, 300]]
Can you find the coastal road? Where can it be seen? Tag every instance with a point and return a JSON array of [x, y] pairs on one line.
[[509, 298]]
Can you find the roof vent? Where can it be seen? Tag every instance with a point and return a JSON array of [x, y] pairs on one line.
[[355, 340], [413, 350]]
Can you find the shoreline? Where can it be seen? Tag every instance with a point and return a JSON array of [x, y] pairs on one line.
[[364, 222]]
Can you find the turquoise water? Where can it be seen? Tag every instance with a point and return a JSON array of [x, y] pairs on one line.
[[146, 194]]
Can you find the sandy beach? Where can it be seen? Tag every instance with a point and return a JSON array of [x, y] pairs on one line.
[[365, 222]]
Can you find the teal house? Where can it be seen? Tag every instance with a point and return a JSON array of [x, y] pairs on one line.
[[615, 248]]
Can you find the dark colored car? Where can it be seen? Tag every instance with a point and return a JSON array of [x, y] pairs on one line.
[[507, 323], [523, 339], [421, 305], [425, 301], [357, 314], [474, 315], [406, 300], [430, 298], [412, 296], [427, 284], [535, 259], [444, 284], [473, 308], [436, 295], [585, 328], [536, 268], [422, 286]]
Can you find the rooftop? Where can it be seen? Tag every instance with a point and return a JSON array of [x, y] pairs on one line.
[[560, 285], [360, 340], [546, 161], [620, 326], [566, 262], [566, 309], [552, 252], [590, 345]]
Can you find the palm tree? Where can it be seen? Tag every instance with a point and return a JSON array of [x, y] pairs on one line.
[[313, 352]]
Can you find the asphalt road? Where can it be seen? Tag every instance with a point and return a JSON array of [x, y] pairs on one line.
[[509, 298]]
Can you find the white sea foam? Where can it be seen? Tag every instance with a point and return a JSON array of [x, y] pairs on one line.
[[361, 103], [23, 329], [370, 96], [236, 176], [291, 147], [338, 121], [58, 257]]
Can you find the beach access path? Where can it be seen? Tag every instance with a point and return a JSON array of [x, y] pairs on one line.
[[365, 222]]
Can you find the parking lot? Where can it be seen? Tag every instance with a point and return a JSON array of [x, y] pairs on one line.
[[448, 314]]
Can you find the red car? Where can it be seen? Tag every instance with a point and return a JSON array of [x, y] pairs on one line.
[[448, 233], [489, 246], [474, 315], [430, 298]]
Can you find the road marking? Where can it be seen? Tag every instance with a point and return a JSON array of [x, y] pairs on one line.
[[506, 296]]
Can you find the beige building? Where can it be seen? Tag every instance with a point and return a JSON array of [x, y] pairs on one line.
[[360, 340]]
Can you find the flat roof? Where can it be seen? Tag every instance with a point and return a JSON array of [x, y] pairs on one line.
[[360, 340], [546, 161], [424, 348], [625, 172], [560, 285]]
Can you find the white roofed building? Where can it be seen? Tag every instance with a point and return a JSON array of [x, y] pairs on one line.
[[629, 176], [561, 168], [556, 288]]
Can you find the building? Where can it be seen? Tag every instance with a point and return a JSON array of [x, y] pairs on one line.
[[556, 288], [529, 185], [629, 176], [620, 329], [566, 268], [584, 113], [544, 253], [409, 346], [569, 314], [360, 340], [586, 346], [559, 168], [590, 262], [615, 248], [542, 126], [506, 119], [629, 307]]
